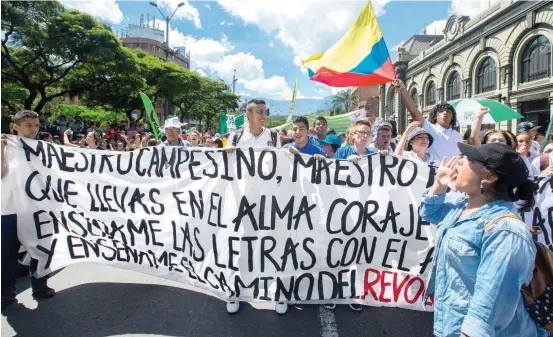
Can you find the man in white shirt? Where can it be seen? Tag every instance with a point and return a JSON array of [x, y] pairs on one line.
[[439, 125], [26, 123], [255, 134]]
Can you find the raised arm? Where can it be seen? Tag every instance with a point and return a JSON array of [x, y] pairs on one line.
[[403, 141], [66, 141], [409, 104], [477, 126]]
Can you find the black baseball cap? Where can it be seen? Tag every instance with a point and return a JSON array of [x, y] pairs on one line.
[[500, 158]]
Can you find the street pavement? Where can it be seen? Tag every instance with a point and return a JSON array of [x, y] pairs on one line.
[[96, 301]]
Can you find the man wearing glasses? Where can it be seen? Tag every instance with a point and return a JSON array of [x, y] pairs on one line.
[[361, 132], [172, 130]]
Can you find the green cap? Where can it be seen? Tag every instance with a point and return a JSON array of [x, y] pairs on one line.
[[332, 140]]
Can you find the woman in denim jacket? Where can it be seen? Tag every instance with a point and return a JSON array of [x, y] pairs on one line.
[[478, 273]]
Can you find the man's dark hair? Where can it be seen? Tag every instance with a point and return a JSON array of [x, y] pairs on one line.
[[321, 118], [441, 107], [254, 101], [394, 128], [257, 101], [21, 115], [303, 120]]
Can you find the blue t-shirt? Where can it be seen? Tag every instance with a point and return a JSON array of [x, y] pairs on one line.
[[313, 140], [309, 149], [345, 152]]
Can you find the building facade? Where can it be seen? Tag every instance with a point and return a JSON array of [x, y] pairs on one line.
[[366, 96], [504, 54], [156, 48]]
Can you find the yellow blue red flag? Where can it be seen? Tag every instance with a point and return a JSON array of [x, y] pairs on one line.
[[359, 58]]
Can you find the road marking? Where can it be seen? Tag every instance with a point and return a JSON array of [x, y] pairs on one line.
[[329, 327]]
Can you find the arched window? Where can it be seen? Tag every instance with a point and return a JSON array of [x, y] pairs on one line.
[[454, 87], [536, 60], [415, 97], [487, 76], [431, 94]]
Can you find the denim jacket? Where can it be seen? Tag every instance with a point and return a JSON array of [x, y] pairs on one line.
[[477, 275]]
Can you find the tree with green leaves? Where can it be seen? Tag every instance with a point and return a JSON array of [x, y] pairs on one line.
[[53, 52], [13, 94], [203, 98], [343, 100]]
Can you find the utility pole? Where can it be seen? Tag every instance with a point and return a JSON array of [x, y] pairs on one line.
[[167, 19], [234, 79]]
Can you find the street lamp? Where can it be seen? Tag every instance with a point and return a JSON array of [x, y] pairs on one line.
[[167, 19]]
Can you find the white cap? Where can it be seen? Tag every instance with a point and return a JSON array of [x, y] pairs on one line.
[[173, 123]]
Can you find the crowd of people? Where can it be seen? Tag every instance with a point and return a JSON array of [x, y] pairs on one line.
[[480, 263]]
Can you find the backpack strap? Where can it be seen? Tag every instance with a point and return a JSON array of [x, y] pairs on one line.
[[499, 217], [274, 136], [237, 135]]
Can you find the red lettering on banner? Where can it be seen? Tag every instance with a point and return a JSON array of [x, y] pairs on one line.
[[397, 290], [369, 286], [403, 287], [419, 292], [383, 286]]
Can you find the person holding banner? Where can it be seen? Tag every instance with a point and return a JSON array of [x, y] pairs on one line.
[[301, 144], [484, 253], [172, 129], [361, 136], [26, 123], [255, 134]]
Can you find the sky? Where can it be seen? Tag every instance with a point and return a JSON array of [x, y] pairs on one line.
[[265, 40]]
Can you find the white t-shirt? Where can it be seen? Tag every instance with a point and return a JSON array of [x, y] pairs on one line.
[[429, 160], [249, 140], [445, 141]]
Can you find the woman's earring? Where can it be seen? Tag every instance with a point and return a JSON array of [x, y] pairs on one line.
[[482, 187]]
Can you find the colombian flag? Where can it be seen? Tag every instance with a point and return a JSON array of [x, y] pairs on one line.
[[360, 58]]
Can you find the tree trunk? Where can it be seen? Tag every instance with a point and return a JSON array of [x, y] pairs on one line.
[[28, 105], [40, 104]]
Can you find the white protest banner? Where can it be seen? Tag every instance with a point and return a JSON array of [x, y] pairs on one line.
[[257, 225], [541, 216]]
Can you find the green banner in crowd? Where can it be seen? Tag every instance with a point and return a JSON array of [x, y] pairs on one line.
[[152, 115], [338, 123], [229, 123]]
